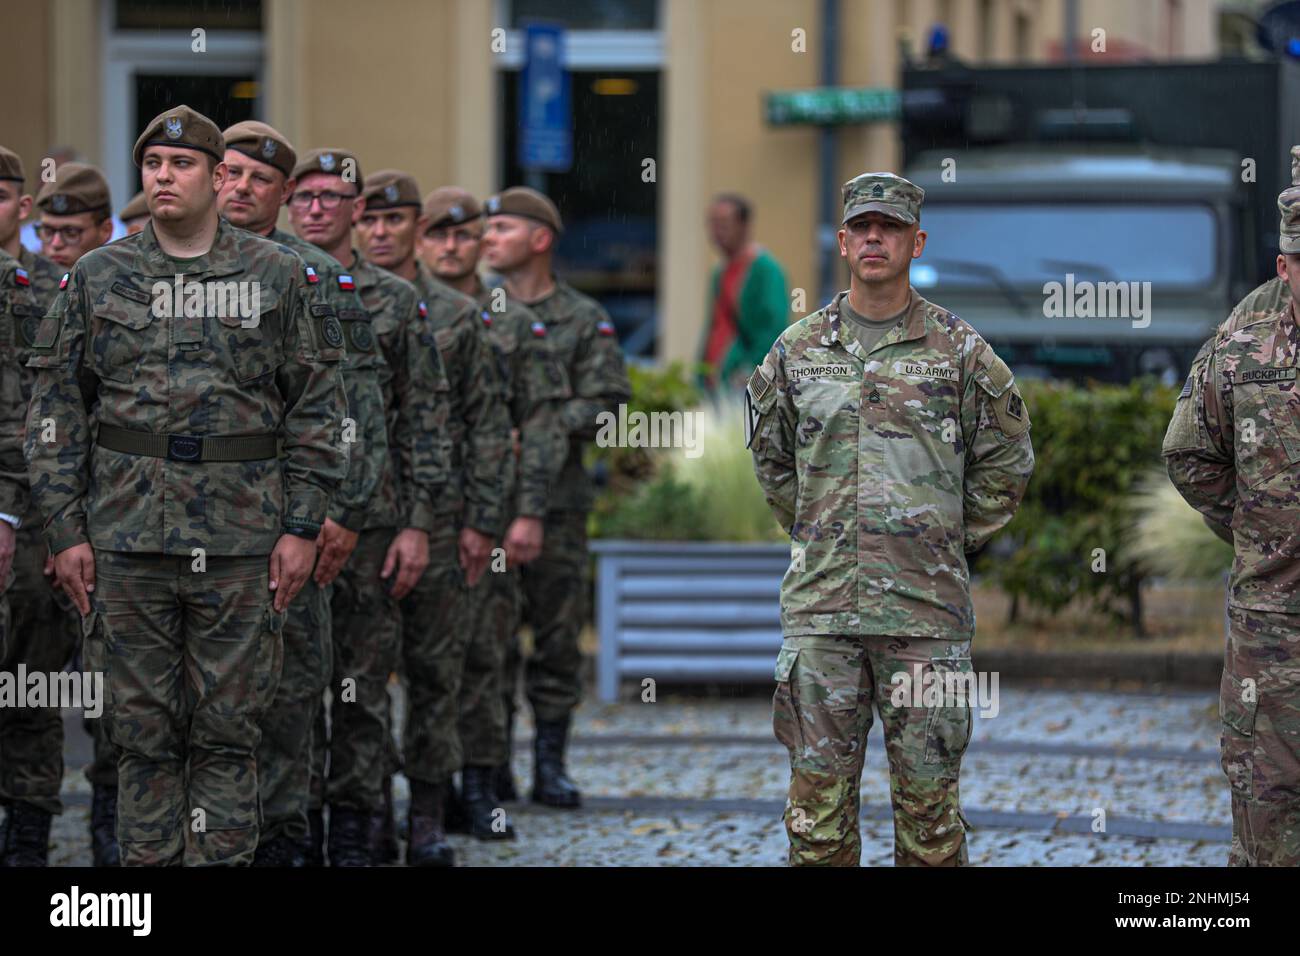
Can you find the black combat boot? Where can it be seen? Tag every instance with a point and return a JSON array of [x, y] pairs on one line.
[[314, 850], [551, 785], [26, 836], [279, 851], [349, 840], [428, 844], [103, 826], [455, 813], [384, 828], [482, 805], [503, 778]]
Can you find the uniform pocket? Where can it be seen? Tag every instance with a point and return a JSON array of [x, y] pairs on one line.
[[252, 342], [1267, 422], [948, 724], [785, 720], [1238, 702], [119, 340]]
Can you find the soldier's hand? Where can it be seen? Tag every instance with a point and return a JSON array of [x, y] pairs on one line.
[[523, 541], [74, 568], [336, 544], [475, 552], [409, 556], [8, 542], [291, 563]]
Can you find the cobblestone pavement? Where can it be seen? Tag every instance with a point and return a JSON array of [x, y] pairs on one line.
[[690, 780]]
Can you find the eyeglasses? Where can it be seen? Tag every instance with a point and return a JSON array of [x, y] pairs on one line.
[[71, 234], [328, 200]]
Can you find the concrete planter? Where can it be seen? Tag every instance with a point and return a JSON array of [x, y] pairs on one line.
[[687, 611]]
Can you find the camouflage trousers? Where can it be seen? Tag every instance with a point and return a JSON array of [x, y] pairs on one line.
[[437, 618], [367, 631], [42, 636], [554, 589], [1259, 705], [483, 710], [193, 659], [821, 711], [284, 757]]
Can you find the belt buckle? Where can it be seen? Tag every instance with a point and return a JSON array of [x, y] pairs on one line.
[[184, 448]]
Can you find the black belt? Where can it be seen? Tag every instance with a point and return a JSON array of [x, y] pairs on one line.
[[188, 447]]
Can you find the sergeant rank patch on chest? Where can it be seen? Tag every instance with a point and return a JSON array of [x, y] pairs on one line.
[[796, 372]]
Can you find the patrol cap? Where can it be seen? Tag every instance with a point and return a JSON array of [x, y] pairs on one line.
[[1295, 165], [11, 165], [334, 162], [181, 126], [391, 188], [882, 192], [77, 187], [263, 143], [135, 209], [450, 206], [1288, 204], [522, 201]]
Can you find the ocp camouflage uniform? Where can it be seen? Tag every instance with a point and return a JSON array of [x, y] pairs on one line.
[[885, 466], [1233, 452], [536, 387], [181, 516], [367, 621], [285, 756], [438, 617]]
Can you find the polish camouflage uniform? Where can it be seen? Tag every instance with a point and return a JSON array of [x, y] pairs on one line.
[[886, 466], [212, 437], [1233, 452]]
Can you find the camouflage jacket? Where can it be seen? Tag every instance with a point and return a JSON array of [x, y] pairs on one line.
[[579, 334], [45, 275], [536, 387], [366, 439], [886, 467], [479, 425], [108, 351], [1233, 451], [19, 318], [412, 489]]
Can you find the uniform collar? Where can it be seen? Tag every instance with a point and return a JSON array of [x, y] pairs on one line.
[[835, 329], [222, 259]]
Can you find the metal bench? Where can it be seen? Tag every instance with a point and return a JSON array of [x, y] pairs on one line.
[[687, 611]]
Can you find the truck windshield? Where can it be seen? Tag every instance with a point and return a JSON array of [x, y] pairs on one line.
[[974, 245]]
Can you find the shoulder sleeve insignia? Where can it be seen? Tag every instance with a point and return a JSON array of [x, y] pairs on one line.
[[539, 329], [424, 310], [63, 283], [605, 327], [312, 277], [346, 283], [20, 277]]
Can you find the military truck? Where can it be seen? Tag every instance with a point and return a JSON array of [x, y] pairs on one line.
[[1098, 222]]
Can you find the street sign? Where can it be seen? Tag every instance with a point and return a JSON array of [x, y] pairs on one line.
[[832, 106], [545, 108]]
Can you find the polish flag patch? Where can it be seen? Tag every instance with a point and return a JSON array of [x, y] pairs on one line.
[[63, 283], [346, 283], [604, 327], [312, 277], [20, 276], [486, 316], [539, 329], [424, 311]]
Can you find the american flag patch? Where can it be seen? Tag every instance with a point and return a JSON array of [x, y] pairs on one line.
[[312, 277], [20, 276], [424, 311], [63, 283], [539, 329], [345, 282], [605, 327]]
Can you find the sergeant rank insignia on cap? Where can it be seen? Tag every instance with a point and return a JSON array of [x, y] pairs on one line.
[[312, 277], [345, 282], [20, 277], [63, 283], [539, 329], [605, 327]]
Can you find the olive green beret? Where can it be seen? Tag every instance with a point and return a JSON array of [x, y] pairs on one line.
[[450, 206], [335, 162], [263, 143], [11, 165], [77, 187], [181, 126], [135, 209], [390, 188], [522, 201]]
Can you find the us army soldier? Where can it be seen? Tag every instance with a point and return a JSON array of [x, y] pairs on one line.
[[523, 227], [535, 388], [162, 517], [259, 164], [889, 441], [1232, 451]]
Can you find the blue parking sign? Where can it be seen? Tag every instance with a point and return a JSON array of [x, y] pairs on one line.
[[546, 114]]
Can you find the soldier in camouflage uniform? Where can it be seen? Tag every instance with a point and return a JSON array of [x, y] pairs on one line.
[[215, 414], [44, 627], [889, 441], [1233, 452], [393, 550], [519, 242], [259, 164], [438, 615], [134, 214], [535, 389], [75, 213]]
